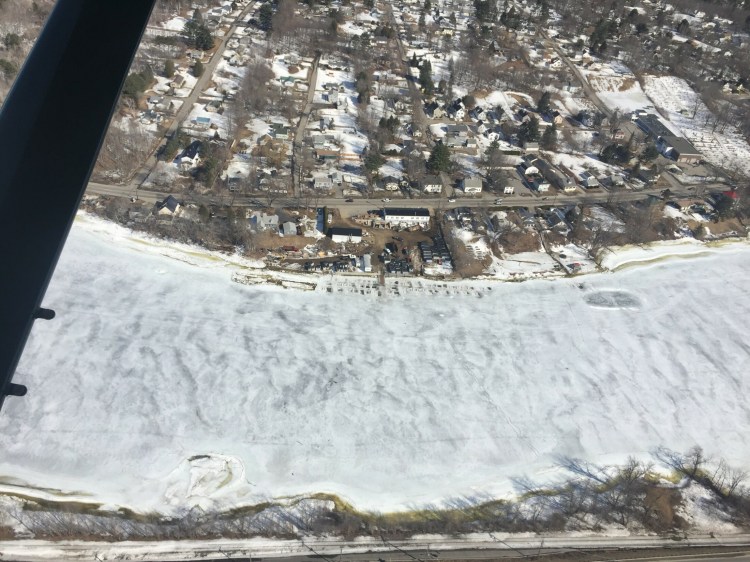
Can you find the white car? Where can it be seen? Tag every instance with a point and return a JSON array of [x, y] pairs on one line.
[[498, 201], [386, 200], [452, 200]]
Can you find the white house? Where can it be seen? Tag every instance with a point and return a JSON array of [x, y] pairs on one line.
[[472, 185], [590, 182], [344, 235], [390, 183], [322, 181], [262, 221], [406, 218]]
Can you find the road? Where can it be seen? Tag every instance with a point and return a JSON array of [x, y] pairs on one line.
[[359, 205], [299, 136], [416, 95], [187, 103], [371, 549], [587, 89]]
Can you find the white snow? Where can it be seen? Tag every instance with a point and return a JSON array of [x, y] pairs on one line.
[[617, 92], [391, 402], [622, 256]]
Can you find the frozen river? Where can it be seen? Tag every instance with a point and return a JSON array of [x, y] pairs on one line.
[[391, 402]]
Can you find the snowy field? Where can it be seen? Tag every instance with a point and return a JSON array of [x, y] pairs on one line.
[[162, 384], [619, 92], [681, 105]]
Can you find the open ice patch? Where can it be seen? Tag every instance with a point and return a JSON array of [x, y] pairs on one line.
[[613, 300]]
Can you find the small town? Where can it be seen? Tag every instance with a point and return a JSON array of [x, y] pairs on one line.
[[440, 139]]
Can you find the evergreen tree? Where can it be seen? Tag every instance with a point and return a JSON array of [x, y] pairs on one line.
[[198, 35], [543, 105], [169, 68], [649, 153], [198, 69], [265, 17], [529, 130], [425, 77], [440, 159], [549, 138]]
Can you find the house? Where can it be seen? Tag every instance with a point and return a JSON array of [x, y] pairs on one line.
[[344, 235], [178, 80], [390, 183], [261, 221], [509, 189], [327, 154], [552, 174], [555, 117], [532, 147], [685, 205], [432, 184], [170, 206], [190, 157], [289, 229], [556, 217], [616, 180], [280, 132], [648, 176], [406, 218], [213, 106], [590, 182], [680, 149], [472, 185], [151, 116], [322, 181]]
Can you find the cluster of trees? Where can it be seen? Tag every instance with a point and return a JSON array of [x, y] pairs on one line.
[[138, 82], [602, 32], [529, 130], [197, 34], [363, 85], [485, 10]]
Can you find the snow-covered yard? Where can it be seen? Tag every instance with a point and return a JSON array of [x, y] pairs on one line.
[[619, 92], [391, 402], [682, 106]]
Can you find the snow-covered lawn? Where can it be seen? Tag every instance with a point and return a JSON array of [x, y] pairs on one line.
[[523, 266], [391, 402], [682, 106], [619, 92]]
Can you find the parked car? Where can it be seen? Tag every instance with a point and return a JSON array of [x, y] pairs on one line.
[[451, 200], [349, 200], [386, 200]]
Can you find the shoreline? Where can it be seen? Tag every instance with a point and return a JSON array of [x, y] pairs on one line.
[[255, 272]]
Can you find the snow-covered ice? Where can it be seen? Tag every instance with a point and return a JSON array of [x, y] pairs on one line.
[[162, 384]]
